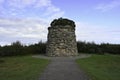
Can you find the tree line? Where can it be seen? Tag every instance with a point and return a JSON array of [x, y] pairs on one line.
[[103, 48], [17, 48]]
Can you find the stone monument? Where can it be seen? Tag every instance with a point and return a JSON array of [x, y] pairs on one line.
[[61, 38]]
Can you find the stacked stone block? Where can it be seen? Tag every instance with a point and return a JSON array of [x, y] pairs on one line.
[[61, 38]]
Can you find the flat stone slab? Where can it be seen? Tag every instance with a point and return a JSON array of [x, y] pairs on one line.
[[63, 68]]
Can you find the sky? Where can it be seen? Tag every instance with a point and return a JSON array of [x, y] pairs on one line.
[[27, 21]]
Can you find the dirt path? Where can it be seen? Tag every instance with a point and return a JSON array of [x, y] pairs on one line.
[[63, 68]]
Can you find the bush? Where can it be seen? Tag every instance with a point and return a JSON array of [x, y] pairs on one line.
[[87, 47], [62, 22], [17, 48]]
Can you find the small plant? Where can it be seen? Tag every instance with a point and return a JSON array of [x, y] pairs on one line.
[[1, 61], [63, 22]]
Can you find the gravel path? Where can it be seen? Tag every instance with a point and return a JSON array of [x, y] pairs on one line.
[[63, 68]]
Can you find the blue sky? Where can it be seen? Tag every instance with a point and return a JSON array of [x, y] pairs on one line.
[[28, 20]]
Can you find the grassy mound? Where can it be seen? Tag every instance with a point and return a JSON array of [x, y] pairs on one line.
[[101, 67], [21, 68]]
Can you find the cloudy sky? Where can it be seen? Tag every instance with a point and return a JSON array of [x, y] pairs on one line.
[[28, 20]]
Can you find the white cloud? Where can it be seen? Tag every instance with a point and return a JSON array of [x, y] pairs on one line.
[[28, 2], [108, 6], [44, 3], [45, 8], [33, 30], [98, 34], [21, 3], [1, 1], [51, 10], [23, 29], [27, 30], [56, 15]]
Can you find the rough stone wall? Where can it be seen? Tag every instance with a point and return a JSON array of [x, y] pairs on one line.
[[61, 41]]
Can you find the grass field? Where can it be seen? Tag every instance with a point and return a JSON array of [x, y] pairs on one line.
[[101, 67], [21, 68]]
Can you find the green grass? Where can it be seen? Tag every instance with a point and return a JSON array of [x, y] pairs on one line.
[[101, 67], [21, 68]]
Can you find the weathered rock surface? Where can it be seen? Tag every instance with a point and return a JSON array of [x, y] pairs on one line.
[[61, 38]]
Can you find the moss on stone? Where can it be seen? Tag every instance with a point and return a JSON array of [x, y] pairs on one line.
[[63, 22]]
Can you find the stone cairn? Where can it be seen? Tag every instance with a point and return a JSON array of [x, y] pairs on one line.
[[61, 38]]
